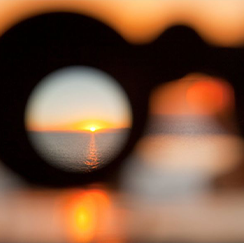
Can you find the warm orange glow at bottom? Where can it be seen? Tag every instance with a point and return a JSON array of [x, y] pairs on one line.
[[86, 213]]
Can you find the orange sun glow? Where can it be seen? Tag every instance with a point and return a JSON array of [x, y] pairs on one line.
[[93, 125], [93, 129], [81, 126]]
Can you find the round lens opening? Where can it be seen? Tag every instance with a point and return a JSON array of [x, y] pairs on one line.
[[78, 118]]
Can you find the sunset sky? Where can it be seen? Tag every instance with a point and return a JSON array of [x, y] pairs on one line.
[[77, 99]]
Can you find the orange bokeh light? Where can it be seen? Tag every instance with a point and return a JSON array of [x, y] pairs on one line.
[[209, 96], [86, 214], [194, 94]]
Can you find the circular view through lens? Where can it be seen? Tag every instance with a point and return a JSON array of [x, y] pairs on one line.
[[78, 118]]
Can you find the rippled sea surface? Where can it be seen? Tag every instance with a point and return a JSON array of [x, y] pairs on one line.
[[78, 151]]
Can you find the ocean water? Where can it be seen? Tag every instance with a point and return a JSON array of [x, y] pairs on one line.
[[78, 151]]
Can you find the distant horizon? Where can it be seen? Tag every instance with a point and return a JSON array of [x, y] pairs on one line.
[[80, 131]]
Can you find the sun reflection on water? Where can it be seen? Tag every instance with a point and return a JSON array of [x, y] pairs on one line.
[[92, 160]]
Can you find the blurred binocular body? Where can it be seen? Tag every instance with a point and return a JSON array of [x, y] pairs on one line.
[[38, 46]]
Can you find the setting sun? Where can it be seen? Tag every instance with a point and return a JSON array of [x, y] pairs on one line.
[[92, 125], [93, 129]]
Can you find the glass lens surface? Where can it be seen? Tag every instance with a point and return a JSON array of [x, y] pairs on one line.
[[78, 118]]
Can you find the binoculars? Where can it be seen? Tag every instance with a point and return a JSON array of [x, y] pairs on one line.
[[38, 46]]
